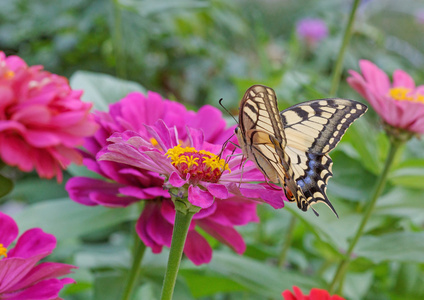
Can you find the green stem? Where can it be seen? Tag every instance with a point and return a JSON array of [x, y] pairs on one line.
[[179, 235], [120, 62], [288, 241], [381, 182], [346, 38], [135, 269]]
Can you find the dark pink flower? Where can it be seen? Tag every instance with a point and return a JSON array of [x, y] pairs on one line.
[[41, 119], [399, 103], [315, 294], [142, 129], [21, 274], [312, 30]]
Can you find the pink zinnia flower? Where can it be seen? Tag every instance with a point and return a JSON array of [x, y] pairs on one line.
[[312, 30], [400, 103], [315, 294], [146, 127], [41, 119], [21, 276]]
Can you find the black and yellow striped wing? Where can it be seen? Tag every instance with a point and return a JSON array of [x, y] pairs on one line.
[[312, 130], [292, 147], [262, 139]]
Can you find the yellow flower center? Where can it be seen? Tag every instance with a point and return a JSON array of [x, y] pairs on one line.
[[154, 142], [3, 251], [201, 165], [402, 94], [8, 74]]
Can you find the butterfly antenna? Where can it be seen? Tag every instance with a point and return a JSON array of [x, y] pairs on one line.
[[228, 112]]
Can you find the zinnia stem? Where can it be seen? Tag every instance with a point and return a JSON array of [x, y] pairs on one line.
[[135, 269], [288, 241], [179, 235], [381, 182], [346, 38], [117, 41]]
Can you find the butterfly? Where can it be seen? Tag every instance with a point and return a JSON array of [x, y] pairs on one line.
[[291, 147]]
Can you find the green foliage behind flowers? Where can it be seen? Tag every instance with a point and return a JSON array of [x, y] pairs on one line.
[[198, 52]]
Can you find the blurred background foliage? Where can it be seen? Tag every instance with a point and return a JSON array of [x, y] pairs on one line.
[[197, 52]]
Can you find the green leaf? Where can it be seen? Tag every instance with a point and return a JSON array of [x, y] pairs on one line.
[[210, 283], [6, 186], [409, 174], [399, 246], [67, 219], [109, 285], [345, 169], [33, 189], [260, 278], [401, 202], [102, 89]]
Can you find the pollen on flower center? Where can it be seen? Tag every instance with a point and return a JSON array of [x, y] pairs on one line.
[[201, 165], [402, 94], [3, 251]]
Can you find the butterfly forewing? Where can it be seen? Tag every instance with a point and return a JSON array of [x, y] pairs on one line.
[[317, 126]]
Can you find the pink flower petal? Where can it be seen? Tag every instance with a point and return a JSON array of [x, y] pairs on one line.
[[197, 249], [141, 227], [144, 193], [13, 269], [375, 77], [158, 229], [44, 290], [43, 271], [402, 79], [209, 120], [8, 230], [217, 190], [235, 211], [224, 234], [33, 242], [176, 180], [198, 197]]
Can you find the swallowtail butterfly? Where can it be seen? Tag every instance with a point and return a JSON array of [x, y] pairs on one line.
[[291, 147]]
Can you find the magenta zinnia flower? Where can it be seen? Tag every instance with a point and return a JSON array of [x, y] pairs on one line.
[[21, 274], [315, 294], [41, 119], [312, 30], [400, 103], [158, 144]]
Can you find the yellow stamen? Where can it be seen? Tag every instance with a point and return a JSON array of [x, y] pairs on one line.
[[404, 94], [3, 251], [180, 155], [154, 142], [9, 74]]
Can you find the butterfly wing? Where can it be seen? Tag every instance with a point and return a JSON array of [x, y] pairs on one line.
[[312, 130], [261, 136]]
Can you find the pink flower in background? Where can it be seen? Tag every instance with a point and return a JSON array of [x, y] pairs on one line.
[[41, 119], [315, 294], [139, 169], [399, 103], [419, 16], [312, 30], [21, 274]]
